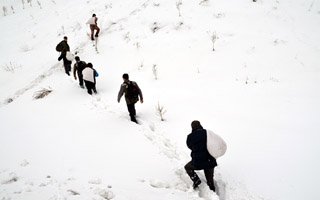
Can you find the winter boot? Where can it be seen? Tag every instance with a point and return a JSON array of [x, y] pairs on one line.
[[196, 180], [212, 188], [196, 183]]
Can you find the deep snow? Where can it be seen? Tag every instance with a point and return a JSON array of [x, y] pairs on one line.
[[259, 90]]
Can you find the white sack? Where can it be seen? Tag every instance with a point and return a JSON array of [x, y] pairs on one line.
[[69, 56], [216, 146], [91, 20]]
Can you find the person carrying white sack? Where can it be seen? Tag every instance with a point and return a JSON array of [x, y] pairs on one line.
[[93, 26], [201, 158], [89, 77]]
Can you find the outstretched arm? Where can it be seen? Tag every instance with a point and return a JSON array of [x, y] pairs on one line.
[[74, 71], [121, 92]]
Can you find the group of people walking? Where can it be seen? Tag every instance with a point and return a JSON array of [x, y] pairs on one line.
[[82, 71], [86, 75], [196, 140]]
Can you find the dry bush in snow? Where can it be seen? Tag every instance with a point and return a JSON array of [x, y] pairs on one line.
[[160, 111], [5, 11], [11, 67], [42, 93], [178, 5], [213, 37], [155, 72]]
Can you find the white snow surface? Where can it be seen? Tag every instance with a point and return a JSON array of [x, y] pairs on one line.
[[259, 90]]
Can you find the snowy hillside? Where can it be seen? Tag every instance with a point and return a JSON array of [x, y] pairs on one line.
[[249, 71]]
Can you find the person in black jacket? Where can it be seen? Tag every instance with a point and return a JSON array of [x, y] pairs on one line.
[[132, 95], [201, 159], [77, 70], [63, 47]]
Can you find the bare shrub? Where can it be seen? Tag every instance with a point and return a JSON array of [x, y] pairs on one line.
[[9, 100], [39, 4], [42, 93], [204, 2], [126, 37], [11, 67], [178, 5], [73, 192], [137, 45], [155, 27], [5, 11], [213, 37], [155, 72], [30, 2], [160, 111]]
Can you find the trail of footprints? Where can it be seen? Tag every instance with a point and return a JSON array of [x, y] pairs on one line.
[[14, 186]]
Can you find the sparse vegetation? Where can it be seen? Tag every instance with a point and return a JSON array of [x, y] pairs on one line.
[[39, 4], [204, 2], [126, 37], [140, 66], [42, 93], [11, 67], [160, 111], [213, 37], [4, 9], [178, 5], [155, 27], [155, 72]]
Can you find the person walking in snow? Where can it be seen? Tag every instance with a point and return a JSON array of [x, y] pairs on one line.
[[201, 159], [77, 70], [89, 76], [132, 94], [93, 26], [63, 47]]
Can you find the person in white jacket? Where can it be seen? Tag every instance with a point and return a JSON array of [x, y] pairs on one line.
[[93, 26], [89, 76]]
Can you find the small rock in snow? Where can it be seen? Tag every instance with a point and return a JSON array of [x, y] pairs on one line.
[[107, 194], [24, 163], [95, 181]]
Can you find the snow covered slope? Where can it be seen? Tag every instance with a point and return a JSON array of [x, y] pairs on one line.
[[258, 89]]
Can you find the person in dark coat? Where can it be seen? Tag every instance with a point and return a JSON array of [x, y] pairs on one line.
[[77, 70], [130, 100], [201, 159], [64, 48]]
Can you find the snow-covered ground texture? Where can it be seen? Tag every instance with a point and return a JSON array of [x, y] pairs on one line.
[[258, 89]]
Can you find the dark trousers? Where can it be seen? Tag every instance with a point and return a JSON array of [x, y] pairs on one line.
[[66, 63], [190, 169], [92, 28], [90, 86], [80, 77], [67, 68], [132, 112]]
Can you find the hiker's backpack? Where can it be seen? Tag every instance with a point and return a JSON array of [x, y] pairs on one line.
[[132, 90], [59, 47]]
